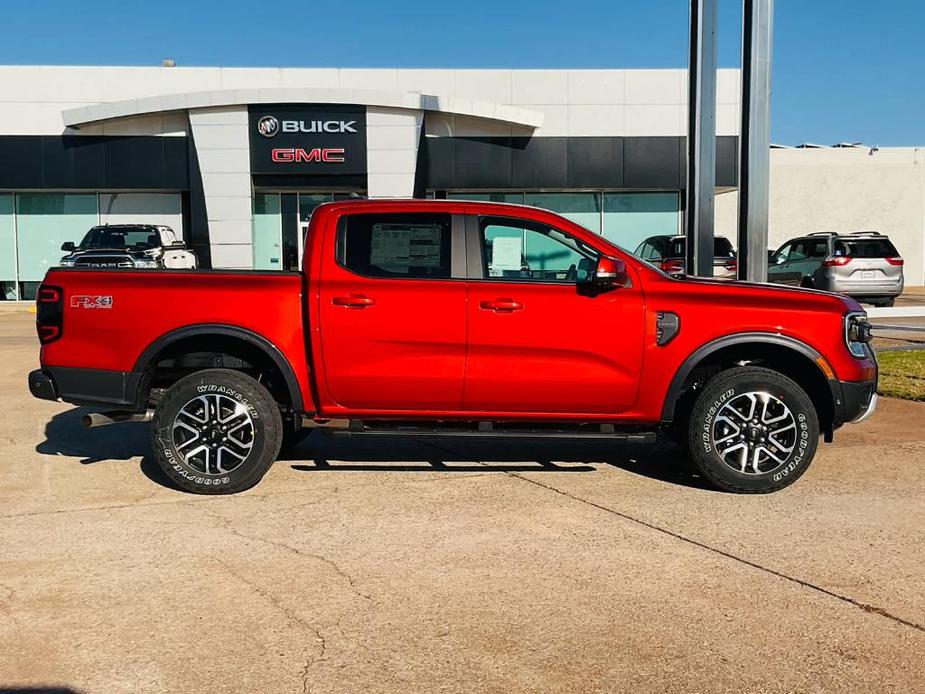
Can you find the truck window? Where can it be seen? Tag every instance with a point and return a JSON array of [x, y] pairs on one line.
[[409, 245], [519, 250]]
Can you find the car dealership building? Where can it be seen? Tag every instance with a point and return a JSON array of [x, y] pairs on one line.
[[235, 159]]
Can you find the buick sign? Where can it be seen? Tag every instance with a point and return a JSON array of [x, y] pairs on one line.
[[268, 126], [323, 139]]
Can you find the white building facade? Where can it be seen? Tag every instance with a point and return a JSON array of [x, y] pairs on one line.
[[181, 146], [235, 159]]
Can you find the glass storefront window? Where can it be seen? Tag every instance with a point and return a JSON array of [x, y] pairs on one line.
[[280, 224], [631, 218], [43, 222], [147, 208], [514, 198], [34, 225], [581, 208], [7, 249], [268, 232]]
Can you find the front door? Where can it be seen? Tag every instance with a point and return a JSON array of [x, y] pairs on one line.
[[393, 313], [541, 340]]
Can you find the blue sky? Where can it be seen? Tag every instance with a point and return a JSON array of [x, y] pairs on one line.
[[843, 70]]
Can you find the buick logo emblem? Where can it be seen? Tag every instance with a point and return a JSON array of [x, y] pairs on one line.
[[268, 126]]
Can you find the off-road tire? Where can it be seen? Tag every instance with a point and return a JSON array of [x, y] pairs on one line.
[[240, 398], [711, 405]]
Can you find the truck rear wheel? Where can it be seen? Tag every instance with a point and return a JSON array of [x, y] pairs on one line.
[[753, 431], [216, 432]]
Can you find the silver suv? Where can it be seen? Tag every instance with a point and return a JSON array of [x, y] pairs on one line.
[[864, 265]]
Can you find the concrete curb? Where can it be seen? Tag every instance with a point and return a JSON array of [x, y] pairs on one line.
[[897, 312]]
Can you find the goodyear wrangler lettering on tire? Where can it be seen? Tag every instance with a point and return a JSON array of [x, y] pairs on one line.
[[216, 432], [753, 430], [215, 388], [710, 414]]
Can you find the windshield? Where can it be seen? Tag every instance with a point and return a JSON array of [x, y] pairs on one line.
[[116, 238], [722, 248]]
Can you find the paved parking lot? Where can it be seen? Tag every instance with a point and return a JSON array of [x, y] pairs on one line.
[[384, 565]]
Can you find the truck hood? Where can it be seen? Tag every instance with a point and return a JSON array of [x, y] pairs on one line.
[[90, 252], [743, 294]]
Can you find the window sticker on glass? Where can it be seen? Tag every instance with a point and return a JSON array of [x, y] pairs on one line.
[[506, 254], [398, 247], [425, 246]]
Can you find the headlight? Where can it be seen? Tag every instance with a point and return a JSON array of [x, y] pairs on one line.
[[66, 262], [146, 263], [857, 334]]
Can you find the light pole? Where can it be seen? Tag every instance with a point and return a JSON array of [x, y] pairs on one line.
[[755, 139], [701, 138]]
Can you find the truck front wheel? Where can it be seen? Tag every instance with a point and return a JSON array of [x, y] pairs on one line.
[[753, 430], [216, 432]]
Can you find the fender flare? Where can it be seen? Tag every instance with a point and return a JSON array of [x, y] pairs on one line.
[[255, 339], [704, 351]]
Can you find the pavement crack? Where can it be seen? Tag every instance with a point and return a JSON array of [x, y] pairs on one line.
[[866, 607], [6, 605], [230, 527], [290, 615]]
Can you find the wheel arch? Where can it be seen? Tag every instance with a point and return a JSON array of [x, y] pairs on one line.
[[789, 356], [230, 340]]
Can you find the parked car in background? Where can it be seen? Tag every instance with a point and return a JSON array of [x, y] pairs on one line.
[[864, 265], [141, 246], [669, 253]]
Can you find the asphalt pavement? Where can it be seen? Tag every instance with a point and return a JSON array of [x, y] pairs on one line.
[[383, 565]]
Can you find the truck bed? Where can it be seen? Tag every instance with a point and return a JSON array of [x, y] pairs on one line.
[[99, 305]]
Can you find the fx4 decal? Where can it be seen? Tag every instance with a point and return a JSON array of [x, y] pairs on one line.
[[91, 301]]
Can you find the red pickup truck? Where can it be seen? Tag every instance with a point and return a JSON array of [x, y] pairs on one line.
[[455, 318]]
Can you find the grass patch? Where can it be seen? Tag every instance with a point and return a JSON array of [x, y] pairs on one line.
[[902, 374]]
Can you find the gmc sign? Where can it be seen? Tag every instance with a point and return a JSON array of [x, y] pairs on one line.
[[328, 155], [307, 139]]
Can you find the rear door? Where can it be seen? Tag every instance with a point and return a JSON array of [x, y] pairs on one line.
[[783, 268], [393, 312], [540, 339]]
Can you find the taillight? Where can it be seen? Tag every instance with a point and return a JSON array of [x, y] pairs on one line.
[[49, 313], [731, 264], [895, 261], [671, 266], [837, 261]]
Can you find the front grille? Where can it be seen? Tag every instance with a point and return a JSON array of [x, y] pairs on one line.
[[104, 261]]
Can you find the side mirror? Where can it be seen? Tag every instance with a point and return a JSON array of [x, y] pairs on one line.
[[68, 246], [610, 272]]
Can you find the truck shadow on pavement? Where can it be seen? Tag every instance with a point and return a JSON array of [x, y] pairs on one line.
[[65, 436]]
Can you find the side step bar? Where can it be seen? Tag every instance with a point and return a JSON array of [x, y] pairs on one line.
[[353, 427]]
